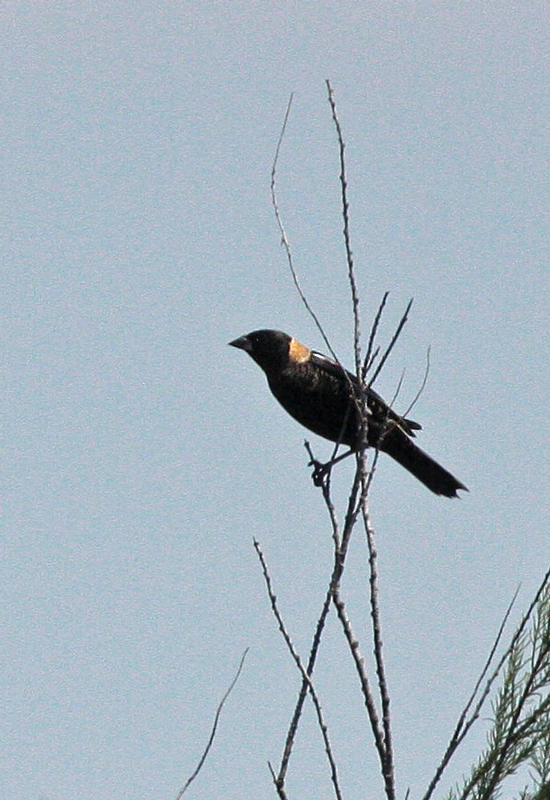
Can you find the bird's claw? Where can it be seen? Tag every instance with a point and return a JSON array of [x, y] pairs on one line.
[[320, 471]]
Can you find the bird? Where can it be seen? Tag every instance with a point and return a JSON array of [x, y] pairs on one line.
[[325, 398]]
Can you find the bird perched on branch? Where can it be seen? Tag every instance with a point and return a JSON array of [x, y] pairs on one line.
[[326, 399]]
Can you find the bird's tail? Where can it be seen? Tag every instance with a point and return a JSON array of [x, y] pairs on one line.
[[397, 444]]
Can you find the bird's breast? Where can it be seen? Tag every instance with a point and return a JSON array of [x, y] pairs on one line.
[[320, 402]]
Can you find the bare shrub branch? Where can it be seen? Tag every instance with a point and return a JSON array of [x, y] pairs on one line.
[[381, 732], [392, 343], [356, 507], [214, 728], [306, 677], [521, 730], [284, 238], [346, 231], [372, 352]]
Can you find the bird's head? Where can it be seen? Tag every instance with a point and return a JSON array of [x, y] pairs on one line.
[[272, 350]]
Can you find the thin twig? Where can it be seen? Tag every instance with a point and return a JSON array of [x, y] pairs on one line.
[[279, 787], [382, 733], [293, 727], [387, 764], [286, 244], [422, 385], [392, 344], [214, 727], [359, 662], [325, 488], [347, 241], [284, 239], [354, 507], [305, 676], [360, 397], [338, 567], [371, 353]]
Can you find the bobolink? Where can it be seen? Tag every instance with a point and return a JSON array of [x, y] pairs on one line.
[[322, 396]]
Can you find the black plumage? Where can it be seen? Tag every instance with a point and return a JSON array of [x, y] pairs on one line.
[[323, 396]]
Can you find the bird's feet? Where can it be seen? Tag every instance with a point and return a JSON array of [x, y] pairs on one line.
[[320, 471]]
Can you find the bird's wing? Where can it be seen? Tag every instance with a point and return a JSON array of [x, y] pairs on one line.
[[331, 367], [377, 406]]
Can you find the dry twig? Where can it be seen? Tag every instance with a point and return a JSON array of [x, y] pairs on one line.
[[214, 728]]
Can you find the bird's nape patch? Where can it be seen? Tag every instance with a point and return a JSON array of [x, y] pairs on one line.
[[298, 352]]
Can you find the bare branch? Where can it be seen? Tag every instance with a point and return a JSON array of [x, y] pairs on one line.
[[381, 731], [347, 241], [338, 567], [325, 488], [371, 352], [279, 787], [387, 763], [422, 385], [284, 239], [214, 727], [356, 505], [359, 662], [306, 678], [392, 344], [293, 727]]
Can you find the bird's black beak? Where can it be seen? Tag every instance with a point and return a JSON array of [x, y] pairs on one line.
[[243, 343]]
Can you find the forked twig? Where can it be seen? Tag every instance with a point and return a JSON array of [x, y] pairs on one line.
[[338, 567], [371, 352], [392, 343], [306, 677], [359, 662]]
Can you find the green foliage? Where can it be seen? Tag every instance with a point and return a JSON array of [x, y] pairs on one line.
[[520, 733]]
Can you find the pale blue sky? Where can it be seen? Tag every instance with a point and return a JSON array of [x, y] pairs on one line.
[[143, 454]]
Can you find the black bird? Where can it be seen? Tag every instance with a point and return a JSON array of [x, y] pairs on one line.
[[321, 395]]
